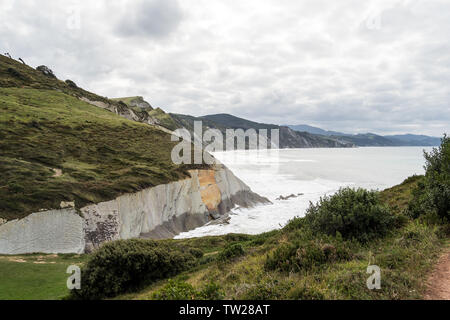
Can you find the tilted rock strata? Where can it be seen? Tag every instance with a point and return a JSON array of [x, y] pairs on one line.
[[53, 231], [158, 212]]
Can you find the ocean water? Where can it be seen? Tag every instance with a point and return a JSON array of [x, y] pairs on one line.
[[310, 172]]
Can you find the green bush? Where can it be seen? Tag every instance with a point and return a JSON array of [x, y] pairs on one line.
[[176, 290], [212, 291], [230, 252], [304, 255], [433, 192], [125, 265], [71, 84], [180, 290], [196, 252], [354, 213], [305, 293], [269, 289]]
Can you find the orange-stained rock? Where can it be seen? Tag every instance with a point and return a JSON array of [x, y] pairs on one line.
[[209, 190]]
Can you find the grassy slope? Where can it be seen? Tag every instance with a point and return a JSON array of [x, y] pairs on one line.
[[35, 276], [101, 155], [405, 257]]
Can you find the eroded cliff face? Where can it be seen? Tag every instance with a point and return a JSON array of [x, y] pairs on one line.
[[53, 231], [158, 212]]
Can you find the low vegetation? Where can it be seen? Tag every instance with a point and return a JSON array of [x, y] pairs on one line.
[[55, 147], [325, 254], [354, 214], [292, 263], [36, 276], [121, 266], [432, 194]]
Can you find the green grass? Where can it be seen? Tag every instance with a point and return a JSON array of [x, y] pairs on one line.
[[35, 277], [405, 256], [398, 197], [101, 154], [14, 74]]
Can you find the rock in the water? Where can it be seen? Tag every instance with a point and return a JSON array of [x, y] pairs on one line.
[[289, 196]]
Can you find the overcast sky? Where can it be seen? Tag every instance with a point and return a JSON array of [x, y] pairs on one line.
[[352, 66]]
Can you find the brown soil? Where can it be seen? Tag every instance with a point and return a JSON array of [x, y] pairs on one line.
[[439, 282]]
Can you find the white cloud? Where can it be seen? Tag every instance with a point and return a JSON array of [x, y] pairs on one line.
[[380, 66]]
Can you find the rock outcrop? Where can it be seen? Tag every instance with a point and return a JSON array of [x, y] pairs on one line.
[[158, 212], [53, 231]]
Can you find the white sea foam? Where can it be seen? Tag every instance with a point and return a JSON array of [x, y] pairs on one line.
[[311, 172]]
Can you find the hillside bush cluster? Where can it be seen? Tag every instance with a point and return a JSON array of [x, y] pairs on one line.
[[432, 195], [354, 213], [304, 255], [230, 252], [180, 290], [120, 266]]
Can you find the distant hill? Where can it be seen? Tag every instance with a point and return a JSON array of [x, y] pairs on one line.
[[315, 130], [288, 138], [415, 140], [369, 140], [59, 142], [372, 139]]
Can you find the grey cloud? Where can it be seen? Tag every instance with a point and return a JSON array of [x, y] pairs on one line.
[[153, 19], [309, 61]]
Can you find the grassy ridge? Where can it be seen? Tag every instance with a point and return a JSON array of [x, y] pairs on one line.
[[55, 147], [101, 155], [234, 266], [405, 256]]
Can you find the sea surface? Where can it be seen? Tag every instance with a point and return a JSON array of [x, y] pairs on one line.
[[311, 173]]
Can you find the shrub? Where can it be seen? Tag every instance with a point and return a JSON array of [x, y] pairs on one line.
[[357, 214], [269, 289], [71, 84], [236, 237], [176, 290], [433, 192], [304, 292], [212, 291], [46, 71], [231, 251], [196, 252], [304, 255], [16, 74], [125, 265], [180, 290]]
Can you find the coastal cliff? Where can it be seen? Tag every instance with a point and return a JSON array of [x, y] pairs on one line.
[[79, 169], [157, 212]]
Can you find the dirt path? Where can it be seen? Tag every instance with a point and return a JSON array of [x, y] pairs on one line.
[[439, 281]]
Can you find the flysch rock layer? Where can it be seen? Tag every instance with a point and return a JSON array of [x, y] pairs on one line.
[[157, 212], [53, 231]]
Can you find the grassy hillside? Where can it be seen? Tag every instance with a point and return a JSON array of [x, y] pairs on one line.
[[405, 256], [54, 147], [288, 138], [14, 74], [36, 276], [235, 266]]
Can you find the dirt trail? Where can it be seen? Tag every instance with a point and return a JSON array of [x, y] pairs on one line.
[[439, 281]]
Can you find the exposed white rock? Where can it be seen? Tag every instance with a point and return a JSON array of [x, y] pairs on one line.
[[67, 204], [53, 231], [158, 212]]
